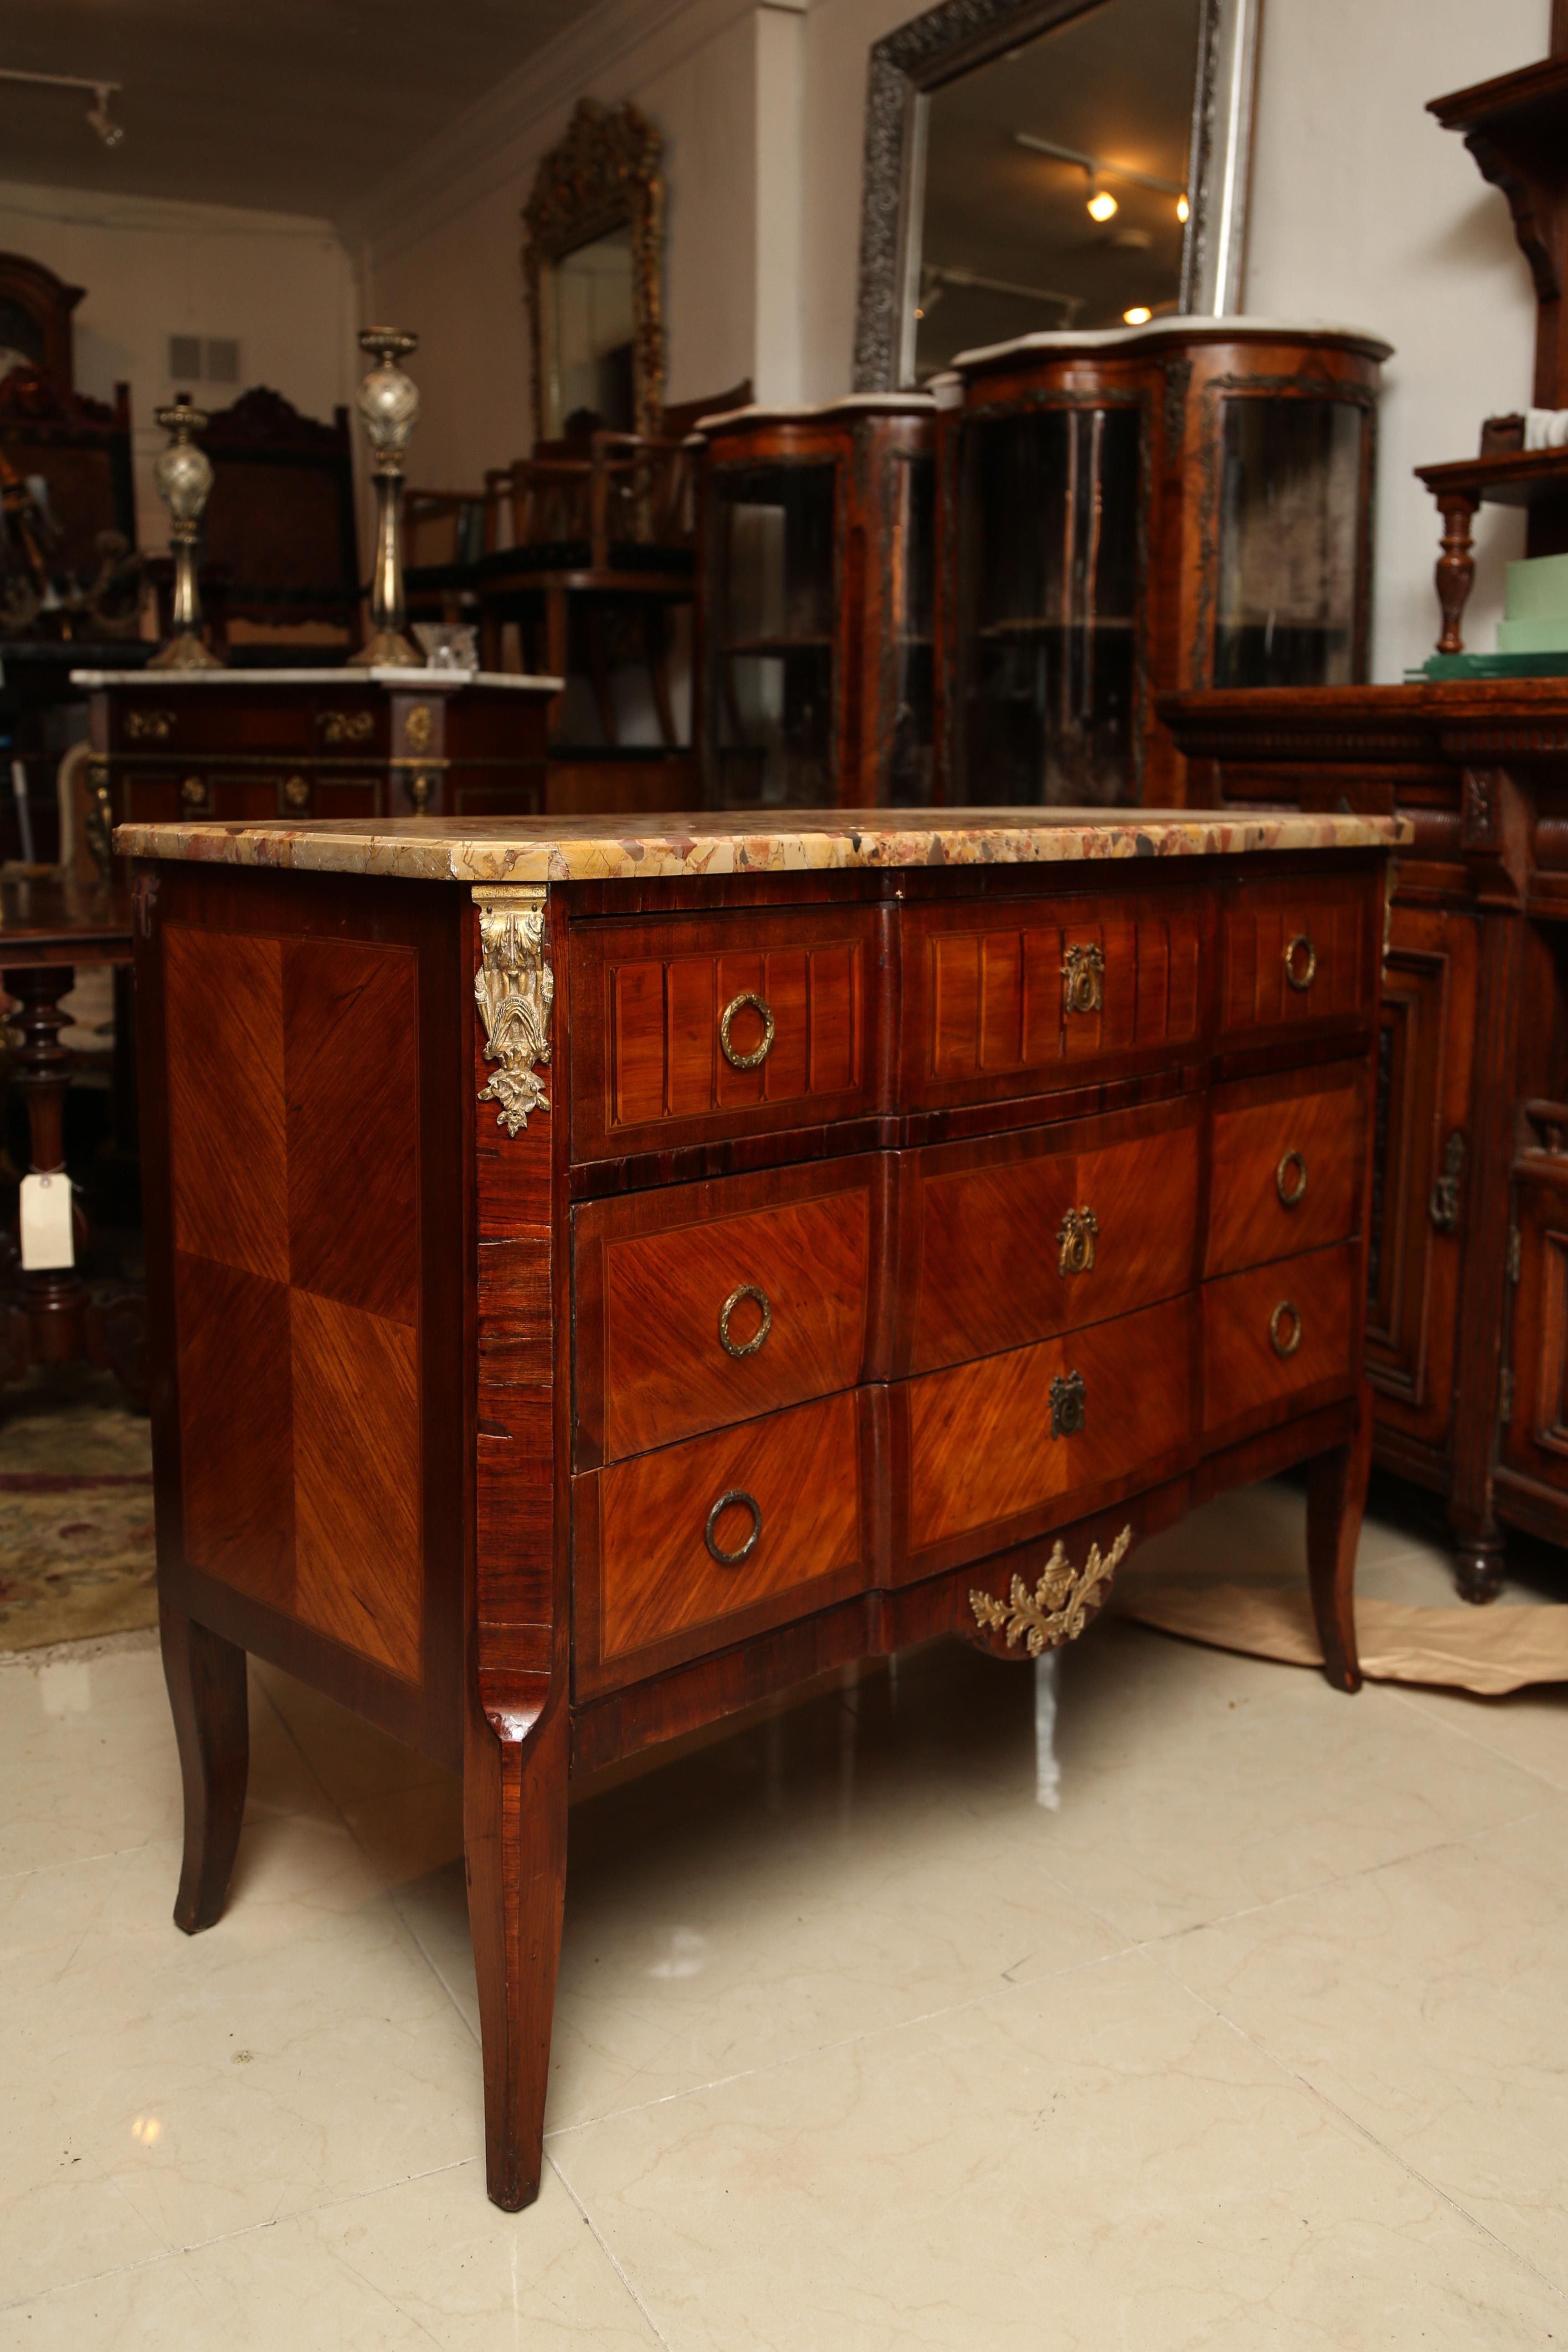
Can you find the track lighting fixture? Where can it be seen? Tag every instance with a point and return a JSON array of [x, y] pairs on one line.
[[98, 113]]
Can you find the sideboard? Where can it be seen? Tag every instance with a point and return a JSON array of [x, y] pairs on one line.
[[1467, 1316], [293, 743], [598, 1280]]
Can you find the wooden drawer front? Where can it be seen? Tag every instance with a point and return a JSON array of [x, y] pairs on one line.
[[981, 1451], [649, 1003], [1329, 925], [1247, 1374], [653, 1272], [998, 1265], [1288, 1166], [644, 1576], [993, 1007]]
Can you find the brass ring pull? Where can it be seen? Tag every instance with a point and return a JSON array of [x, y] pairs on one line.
[[1291, 1187], [1300, 944], [744, 1347], [1286, 1338], [738, 1004], [733, 1558]]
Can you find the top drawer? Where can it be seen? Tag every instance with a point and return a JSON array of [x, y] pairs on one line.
[[1004, 998], [697, 1027], [1297, 954]]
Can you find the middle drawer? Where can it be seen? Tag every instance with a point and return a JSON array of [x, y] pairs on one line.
[[707, 1304]]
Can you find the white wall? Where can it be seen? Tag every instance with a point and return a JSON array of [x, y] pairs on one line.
[[281, 282], [1365, 211]]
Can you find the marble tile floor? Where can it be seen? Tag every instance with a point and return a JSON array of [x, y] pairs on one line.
[[1160, 1998]]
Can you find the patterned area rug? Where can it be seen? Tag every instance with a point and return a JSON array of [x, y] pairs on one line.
[[76, 1512]]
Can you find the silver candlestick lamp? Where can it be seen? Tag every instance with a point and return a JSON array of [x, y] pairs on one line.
[[185, 476], [388, 401]]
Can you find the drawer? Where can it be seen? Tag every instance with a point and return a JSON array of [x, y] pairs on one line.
[[647, 1589], [698, 1028], [983, 1466], [1008, 997], [707, 1304], [1019, 1236], [1288, 1165], [1295, 954], [1275, 1332]]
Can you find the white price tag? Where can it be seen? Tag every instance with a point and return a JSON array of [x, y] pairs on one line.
[[46, 1223]]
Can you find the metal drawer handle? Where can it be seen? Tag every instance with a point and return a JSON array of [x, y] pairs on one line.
[[192, 794], [744, 1347], [1301, 945], [1284, 1328], [733, 1558], [1074, 1240], [1068, 1401], [738, 1004], [1290, 1186], [1083, 977]]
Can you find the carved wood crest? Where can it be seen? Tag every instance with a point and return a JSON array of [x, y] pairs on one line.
[[605, 173]]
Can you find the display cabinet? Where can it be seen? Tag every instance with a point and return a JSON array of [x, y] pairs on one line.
[[1181, 505], [814, 651]]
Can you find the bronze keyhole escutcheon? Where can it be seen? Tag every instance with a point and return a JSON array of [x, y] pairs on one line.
[[1068, 1399], [1083, 976], [1074, 1240]]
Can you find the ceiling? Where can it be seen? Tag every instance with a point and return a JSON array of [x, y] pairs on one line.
[[291, 105], [1116, 81]]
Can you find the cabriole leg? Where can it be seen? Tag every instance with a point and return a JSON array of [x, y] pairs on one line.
[[514, 1837], [205, 1675], [1336, 1498]]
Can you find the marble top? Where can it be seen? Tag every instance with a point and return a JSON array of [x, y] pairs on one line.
[[333, 680], [786, 841], [1186, 326]]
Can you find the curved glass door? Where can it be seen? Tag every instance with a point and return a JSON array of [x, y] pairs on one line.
[[772, 605], [1288, 597], [1050, 567]]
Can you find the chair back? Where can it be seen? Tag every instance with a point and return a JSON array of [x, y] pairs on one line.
[[279, 521]]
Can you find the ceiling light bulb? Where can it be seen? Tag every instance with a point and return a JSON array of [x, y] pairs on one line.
[[1103, 207], [1181, 208], [1138, 316]]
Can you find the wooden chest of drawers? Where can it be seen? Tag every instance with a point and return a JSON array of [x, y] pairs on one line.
[[599, 1283]]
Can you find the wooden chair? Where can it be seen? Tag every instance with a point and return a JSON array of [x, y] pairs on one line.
[[69, 569]]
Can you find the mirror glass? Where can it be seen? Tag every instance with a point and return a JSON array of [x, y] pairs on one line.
[[591, 370], [1055, 183]]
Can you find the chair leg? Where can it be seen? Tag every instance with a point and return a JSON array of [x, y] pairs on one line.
[[599, 670], [1336, 1498], [656, 638], [514, 1837], [205, 1675], [555, 650]]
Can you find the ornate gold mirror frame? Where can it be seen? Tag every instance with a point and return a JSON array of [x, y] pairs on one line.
[[603, 175]]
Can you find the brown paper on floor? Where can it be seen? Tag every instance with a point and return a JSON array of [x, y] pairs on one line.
[[1488, 1651]]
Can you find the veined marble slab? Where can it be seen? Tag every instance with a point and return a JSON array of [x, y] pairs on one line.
[[595, 850]]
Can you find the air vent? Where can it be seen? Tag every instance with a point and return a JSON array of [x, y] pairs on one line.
[[203, 358]]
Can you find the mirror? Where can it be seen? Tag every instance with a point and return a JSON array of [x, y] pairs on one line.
[[593, 265], [1057, 164]]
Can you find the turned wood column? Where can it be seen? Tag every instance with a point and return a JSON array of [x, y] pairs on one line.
[[1456, 565]]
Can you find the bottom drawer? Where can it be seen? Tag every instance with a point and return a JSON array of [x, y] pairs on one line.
[[1273, 1333], [648, 1541], [992, 1450]]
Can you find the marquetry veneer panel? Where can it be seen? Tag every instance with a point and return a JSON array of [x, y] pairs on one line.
[[1333, 919], [313, 1048], [1288, 1165]]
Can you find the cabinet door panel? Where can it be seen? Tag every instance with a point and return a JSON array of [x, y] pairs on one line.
[[1536, 1440], [1424, 1072]]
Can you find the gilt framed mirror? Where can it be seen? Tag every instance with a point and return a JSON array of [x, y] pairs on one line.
[[1038, 165], [593, 263]]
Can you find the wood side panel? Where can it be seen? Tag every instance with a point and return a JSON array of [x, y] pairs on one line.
[[224, 1033], [359, 1568], [981, 1454], [1255, 1212], [1535, 1441], [644, 1577], [1245, 1375], [650, 997], [986, 1255], [350, 1060], [236, 1466], [653, 1273]]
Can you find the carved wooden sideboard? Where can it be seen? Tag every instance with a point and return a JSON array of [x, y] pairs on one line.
[[601, 1280], [293, 743], [1468, 1314]]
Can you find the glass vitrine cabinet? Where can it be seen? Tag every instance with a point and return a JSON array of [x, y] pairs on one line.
[[1187, 504], [815, 678]]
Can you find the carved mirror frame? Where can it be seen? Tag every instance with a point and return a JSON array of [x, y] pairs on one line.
[[951, 40], [605, 174]]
